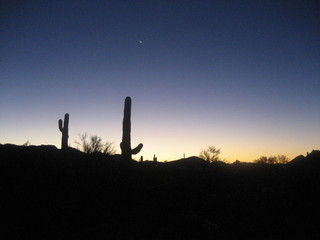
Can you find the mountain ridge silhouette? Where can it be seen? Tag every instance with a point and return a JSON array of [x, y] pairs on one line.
[[48, 193]]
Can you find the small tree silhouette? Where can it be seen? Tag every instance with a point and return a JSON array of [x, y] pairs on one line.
[[94, 144], [210, 154], [283, 159], [272, 159]]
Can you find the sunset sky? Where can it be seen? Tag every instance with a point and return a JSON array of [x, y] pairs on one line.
[[243, 76]]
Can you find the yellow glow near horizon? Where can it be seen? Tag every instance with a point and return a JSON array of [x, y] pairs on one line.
[[168, 151], [170, 139]]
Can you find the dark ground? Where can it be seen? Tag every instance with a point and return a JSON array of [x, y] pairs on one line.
[[50, 194]]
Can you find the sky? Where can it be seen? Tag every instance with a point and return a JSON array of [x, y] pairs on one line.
[[243, 76]]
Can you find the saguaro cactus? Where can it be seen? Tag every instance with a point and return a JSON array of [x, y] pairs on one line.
[[125, 145], [64, 130], [155, 159]]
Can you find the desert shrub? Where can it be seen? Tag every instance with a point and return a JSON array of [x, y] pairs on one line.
[[210, 154], [272, 159], [94, 143]]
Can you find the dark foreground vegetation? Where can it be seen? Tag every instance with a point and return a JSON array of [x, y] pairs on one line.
[[47, 193]]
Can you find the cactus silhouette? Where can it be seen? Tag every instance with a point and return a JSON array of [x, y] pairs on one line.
[[64, 130], [125, 145]]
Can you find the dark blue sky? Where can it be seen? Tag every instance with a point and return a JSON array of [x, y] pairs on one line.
[[240, 75]]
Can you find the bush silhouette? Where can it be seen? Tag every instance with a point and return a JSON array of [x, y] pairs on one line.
[[210, 154], [273, 159], [94, 143]]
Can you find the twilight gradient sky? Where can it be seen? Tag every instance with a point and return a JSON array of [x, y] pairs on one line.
[[241, 75]]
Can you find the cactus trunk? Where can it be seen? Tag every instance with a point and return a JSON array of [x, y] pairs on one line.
[[125, 145], [65, 131]]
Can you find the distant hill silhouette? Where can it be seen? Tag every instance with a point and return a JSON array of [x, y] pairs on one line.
[[47, 193], [310, 159], [189, 161]]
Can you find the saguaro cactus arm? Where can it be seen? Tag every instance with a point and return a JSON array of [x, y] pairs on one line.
[[137, 149], [64, 129], [125, 145]]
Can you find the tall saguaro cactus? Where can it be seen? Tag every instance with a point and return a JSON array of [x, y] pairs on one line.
[[125, 145], [64, 130]]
